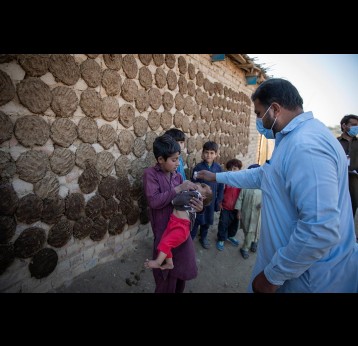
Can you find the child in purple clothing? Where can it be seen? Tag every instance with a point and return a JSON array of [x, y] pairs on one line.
[[178, 228], [161, 184]]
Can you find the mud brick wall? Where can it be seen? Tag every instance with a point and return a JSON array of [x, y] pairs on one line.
[[76, 133]]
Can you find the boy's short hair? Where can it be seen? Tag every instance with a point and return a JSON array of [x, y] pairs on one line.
[[233, 163], [178, 135], [210, 145], [346, 118], [208, 193], [165, 146]]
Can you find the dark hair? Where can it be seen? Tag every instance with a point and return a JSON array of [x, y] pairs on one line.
[[233, 163], [165, 146], [280, 91], [346, 118], [210, 146], [178, 135]]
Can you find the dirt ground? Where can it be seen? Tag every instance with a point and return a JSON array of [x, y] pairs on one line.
[[219, 271]]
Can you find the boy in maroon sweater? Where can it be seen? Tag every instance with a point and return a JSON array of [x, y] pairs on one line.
[[228, 222]]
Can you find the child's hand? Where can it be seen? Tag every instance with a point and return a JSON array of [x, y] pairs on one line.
[[197, 204], [185, 186]]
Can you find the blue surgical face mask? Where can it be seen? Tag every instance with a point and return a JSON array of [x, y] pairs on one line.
[[268, 133], [353, 131]]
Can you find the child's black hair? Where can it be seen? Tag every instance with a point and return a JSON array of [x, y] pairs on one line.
[[233, 163], [211, 146], [165, 146], [178, 135]]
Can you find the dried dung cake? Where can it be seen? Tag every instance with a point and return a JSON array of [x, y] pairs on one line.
[[145, 58], [9, 200], [91, 103], [112, 82], [170, 60], [179, 101], [185, 124], [32, 165], [166, 120], [53, 209], [126, 115], [168, 101], [6, 127], [183, 85], [139, 147], [64, 101], [116, 224], [189, 106], [149, 140], [172, 80], [63, 132], [137, 168], [82, 227], [130, 66], [85, 152], [7, 256], [7, 228], [133, 215], [62, 161], [140, 126], [105, 163], [110, 108], [199, 79], [91, 73], [87, 130], [29, 209], [107, 136], [160, 78], [75, 206], [60, 233], [29, 242], [191, 71], [94, 206], [158, 59], [145, 77], [31, 130], [154, 120], [113, 61], [122, 166], [155, 98], [35, 65], [7, 89], [129, 90], [34, 94], [125, 142], [178, 119], [99, 229], [142, 101], [110, 208], [89, 179], [64, 68], [107, 186], [182, 64], [48, 186], [43, 263]]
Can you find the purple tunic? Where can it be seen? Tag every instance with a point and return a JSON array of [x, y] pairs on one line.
[[159, 191]]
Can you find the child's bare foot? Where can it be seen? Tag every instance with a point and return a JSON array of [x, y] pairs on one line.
[[151, 264], [167, 266]]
